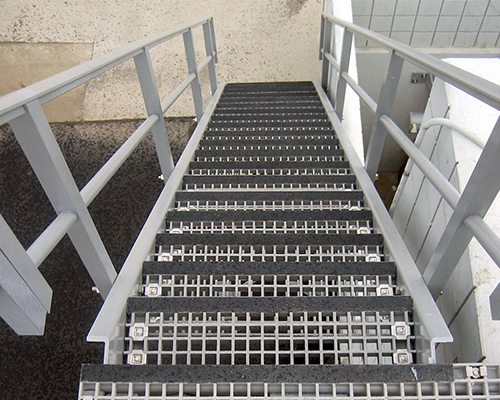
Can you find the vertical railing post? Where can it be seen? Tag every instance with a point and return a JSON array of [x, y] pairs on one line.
[[37, 140], [477, 197], [214, 43], [495, 303], [385, 103], [25, 294], [344, 67], [193, 69], [327, 46], [152, 101], [207, 34]]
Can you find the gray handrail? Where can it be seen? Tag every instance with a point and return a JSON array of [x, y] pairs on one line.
[[104, 327], [469, 207], [470, 83], [63, 82], [435, 329], [22, 109]]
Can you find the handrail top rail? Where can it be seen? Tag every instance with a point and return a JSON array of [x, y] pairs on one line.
[[36, 91], [480, 88]]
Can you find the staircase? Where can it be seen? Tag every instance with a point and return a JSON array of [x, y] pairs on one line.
[[270, 279]]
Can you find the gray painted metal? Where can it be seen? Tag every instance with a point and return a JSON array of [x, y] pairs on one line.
[[50, 237], [476, 199], [99, 180], [471, 206], [344, 67], [152, 101], [107, 324], [12, 250], [63, 82], [444, 187], [327, 48], [25, 296], [193, 68], [470, 83], [22, 109], [37, 140], [433, 324], [372, 105], [19, 306], [207, 32], [384, 107]]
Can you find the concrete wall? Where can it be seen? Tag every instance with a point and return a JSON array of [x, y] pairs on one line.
[[259, 40], [421, 215]]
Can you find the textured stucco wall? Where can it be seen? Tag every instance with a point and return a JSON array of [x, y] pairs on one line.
[[259, 40]]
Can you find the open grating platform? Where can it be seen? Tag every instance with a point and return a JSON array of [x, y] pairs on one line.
[[270, 279]]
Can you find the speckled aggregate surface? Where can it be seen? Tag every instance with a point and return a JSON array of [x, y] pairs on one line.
[[48, 367], [269, 304], [267, 373]]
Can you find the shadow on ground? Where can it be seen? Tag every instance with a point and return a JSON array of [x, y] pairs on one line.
[[48, 367]]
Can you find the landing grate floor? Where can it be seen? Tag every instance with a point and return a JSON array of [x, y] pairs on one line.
[[469, 381]]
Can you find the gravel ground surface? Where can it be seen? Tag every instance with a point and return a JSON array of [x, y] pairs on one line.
[[48, 367]]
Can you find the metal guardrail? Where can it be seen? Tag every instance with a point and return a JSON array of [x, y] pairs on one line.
[[470, 206], [26, 296]]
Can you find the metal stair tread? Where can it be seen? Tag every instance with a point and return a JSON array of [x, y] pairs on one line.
[[270, 304], [248, 239], [267, 164], [269, 140], [288, 268], [269, 153], [418, 373], [287, 215], [285, 195], [268, 179]]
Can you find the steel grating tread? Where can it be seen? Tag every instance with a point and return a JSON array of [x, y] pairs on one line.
[[274, 137], [267, 179], [270, 153], [268, 140], [269, 239], [286, 195], [286, 215], [270, 304], [268, 373], [268, 164], [259, 123], [312, 268], [282, 108], [244, 141], [222, 116]]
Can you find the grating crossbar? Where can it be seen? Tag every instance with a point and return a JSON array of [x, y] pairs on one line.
[[316, 227], [296, 285], [283, 338], [276, 253], [273, 205], [270, 172]]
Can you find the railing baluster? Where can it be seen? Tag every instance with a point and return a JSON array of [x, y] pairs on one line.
[[152, 101], [207, 34], [386, 100], [327, 46], [214, 43], [476, 199], [344, 67], [37, 140], [191, 61]]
